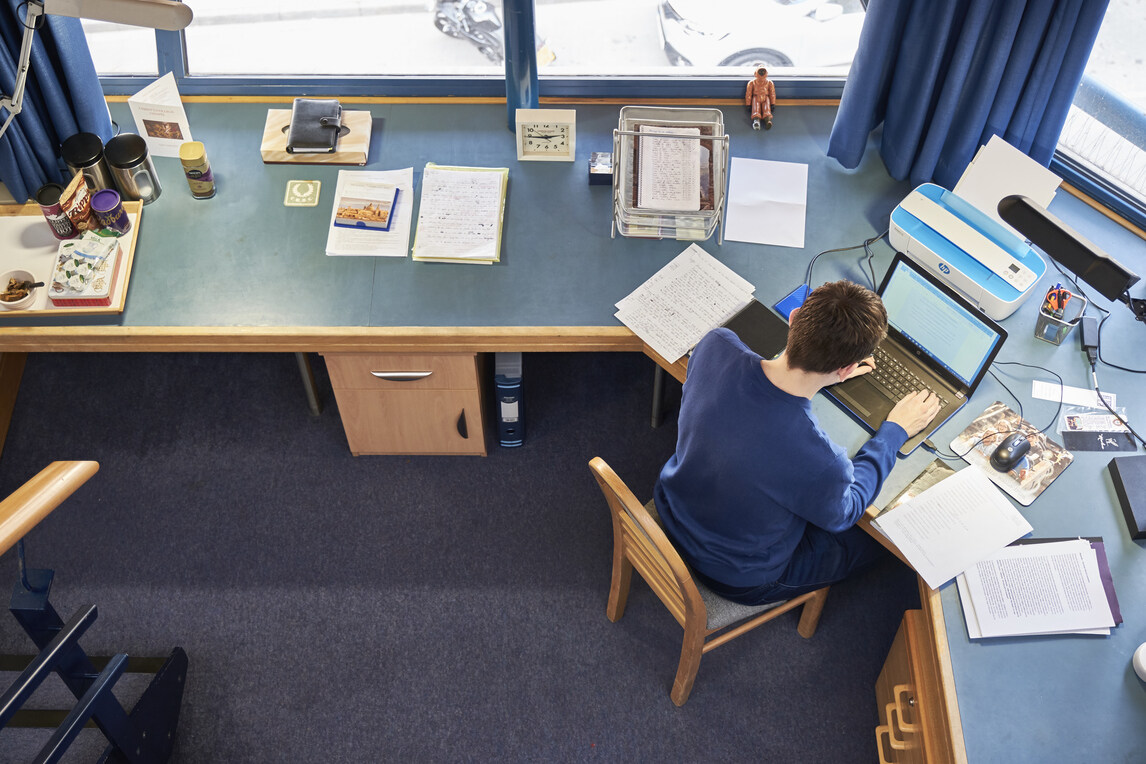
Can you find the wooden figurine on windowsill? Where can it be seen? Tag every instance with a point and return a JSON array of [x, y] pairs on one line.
[[761, 97]]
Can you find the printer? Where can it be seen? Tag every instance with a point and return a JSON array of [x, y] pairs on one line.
[[962, 238], [982, 259]]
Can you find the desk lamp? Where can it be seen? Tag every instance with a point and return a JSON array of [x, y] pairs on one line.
[[1067, 247], [153, 14]]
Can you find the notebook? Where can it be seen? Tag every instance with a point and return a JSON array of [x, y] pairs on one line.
[[935, 339]]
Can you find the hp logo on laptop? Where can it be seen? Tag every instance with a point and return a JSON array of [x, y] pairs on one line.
[[944, 269]]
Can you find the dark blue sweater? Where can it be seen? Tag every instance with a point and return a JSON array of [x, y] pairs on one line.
[[752, 467]]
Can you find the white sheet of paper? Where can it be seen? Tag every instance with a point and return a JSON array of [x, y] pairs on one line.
[[160, 118], [669, 170], [1071, 396], [392, 243], [952, 525], [999, 169], [681, 302], [1046, 588], [460, 214], [767, 202]]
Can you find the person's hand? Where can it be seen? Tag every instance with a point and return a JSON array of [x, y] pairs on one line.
[[914, 411], [866, 366]]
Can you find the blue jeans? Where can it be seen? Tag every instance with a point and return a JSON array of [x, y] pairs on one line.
[[820, 559]]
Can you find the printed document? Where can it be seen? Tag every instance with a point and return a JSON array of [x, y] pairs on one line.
[[952, 525], [160, 118], [1047, 588], [683, 301]]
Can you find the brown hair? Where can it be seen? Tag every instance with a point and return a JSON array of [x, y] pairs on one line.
[[839, 324]]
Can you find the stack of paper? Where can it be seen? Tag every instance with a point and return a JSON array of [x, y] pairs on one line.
[[1044, 587], [460, 217], [683, 301], [952, 525], [389, 187]]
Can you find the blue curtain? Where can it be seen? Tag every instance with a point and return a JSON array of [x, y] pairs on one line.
[[943, 77], [63, 97]]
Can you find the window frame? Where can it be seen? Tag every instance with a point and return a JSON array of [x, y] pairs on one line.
[[171, 56]]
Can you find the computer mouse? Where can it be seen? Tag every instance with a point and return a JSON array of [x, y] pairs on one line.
[[1010, 452], [1139, 661]]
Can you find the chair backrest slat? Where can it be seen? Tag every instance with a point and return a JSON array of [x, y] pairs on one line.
[[648, 548]]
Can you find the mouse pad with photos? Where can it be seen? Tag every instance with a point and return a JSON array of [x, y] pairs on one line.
[[1043, 463]]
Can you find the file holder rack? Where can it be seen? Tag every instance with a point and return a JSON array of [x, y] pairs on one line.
[[643, 222]]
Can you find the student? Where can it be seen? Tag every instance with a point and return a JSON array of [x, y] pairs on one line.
[[757, 499]]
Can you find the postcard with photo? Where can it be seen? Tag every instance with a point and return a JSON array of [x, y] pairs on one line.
[[372, 214], [1045, 461]]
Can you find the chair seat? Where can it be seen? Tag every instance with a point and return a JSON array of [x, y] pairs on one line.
[[721, 612]]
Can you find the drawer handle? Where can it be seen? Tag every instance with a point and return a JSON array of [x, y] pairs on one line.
[[893, 717], [880, 732], [401, 376], [463, 430], [899, 690]]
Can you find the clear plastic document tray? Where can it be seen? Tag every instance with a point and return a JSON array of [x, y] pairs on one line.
[[670, 173]]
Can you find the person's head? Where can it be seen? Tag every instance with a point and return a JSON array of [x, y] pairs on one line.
[[838, 325], [761, 72]]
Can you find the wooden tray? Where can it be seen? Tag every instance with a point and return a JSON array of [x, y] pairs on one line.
[[27, 243], [352, 147]]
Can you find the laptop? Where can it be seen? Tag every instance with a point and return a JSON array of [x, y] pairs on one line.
[[935, 339]]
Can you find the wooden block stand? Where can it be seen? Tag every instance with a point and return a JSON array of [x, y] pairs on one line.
[[353, 146]]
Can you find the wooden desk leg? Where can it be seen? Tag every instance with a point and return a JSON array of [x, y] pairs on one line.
[[11, 370], [658, 396], [308, 383]]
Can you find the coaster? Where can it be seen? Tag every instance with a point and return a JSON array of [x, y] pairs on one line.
[[302, 193]]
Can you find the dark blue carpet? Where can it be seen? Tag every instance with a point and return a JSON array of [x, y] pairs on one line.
[[342, 609]]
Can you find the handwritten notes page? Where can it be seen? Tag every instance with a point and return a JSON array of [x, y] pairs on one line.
[[460, 217], [683, 301], [669, 177], [952, 525], [394, 242]]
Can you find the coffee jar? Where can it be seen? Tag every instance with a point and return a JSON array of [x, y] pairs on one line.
[[131, 166], [83, 153]]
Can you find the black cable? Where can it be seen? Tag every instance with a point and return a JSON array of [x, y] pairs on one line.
[[867, 248], [1105, 315], [1115, 414], [937, 451]]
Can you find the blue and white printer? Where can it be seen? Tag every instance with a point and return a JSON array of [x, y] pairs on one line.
[[960, 238], [984, 261]]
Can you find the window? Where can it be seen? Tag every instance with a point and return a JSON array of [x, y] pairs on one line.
[[1103, 144], [620, 48], [677, 39]]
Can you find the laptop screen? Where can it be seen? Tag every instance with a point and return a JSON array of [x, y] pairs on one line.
[[949, 331]]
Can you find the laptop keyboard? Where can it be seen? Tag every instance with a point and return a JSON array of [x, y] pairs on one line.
[[895, 380]]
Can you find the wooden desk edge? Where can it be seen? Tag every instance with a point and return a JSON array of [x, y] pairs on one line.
[[339, 339], [952, 747]]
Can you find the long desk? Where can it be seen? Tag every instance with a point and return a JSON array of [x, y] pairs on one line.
[[242, 272]]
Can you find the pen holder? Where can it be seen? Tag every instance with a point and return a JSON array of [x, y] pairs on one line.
[[1053, 328]]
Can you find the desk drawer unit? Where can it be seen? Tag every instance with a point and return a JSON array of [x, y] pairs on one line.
[[409, 404], [908, 699]]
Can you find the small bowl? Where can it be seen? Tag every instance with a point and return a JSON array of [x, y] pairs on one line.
[[24, 301]]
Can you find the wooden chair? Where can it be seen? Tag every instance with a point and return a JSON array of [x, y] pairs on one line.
[[640, 542]]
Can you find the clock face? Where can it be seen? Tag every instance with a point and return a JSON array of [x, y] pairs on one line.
[[544, 139]]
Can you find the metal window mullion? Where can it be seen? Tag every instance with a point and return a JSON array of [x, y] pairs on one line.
[[171, 53]]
